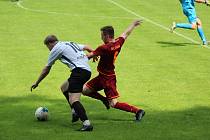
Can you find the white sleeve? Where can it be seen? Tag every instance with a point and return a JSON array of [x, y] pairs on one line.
[[53, 56], [81, 46]]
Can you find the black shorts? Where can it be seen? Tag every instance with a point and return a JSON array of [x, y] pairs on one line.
[[77, 79]]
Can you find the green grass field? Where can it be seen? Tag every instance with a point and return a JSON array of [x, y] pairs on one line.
[[167, 75]]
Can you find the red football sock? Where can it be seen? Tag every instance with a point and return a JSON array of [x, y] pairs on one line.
[[96, 95], [126, 107]]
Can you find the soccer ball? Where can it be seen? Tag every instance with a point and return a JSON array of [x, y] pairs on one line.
[[41, 114]]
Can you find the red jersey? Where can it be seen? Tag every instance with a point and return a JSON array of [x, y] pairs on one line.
[[108, 54]]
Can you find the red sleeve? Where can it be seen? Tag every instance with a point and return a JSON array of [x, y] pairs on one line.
[[121, 40], [100, 50]]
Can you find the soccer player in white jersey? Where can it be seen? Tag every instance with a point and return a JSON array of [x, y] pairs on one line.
[[71, 54]]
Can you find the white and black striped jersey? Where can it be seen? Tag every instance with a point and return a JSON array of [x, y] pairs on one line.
[[69, 53]]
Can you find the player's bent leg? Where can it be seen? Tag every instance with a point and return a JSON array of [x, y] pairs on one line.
[[113, 102], [64, 90], [87, 91], [124, 106], [74, 99], [191, 26], [64, 86], [139, 113], [194, 26]]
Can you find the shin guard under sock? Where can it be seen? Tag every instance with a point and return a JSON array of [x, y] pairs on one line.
[[80, 110]]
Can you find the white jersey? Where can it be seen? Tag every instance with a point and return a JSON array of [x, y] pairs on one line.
[[69, 53]]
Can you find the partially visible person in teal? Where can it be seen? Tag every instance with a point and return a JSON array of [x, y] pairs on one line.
[[188, 7]]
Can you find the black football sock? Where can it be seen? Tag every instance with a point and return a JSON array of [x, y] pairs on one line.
[[80, 110], [66, 94], [96, 95]]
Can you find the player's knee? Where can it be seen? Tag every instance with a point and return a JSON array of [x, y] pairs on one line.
[[199, 24], [62, 88], [194, 26], [112, 105], [72, 101], [74, 97], [113, 102], [86, 90]]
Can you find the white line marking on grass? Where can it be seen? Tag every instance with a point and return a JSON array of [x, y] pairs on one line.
[[68, 14], [118, 5], [152, 22]]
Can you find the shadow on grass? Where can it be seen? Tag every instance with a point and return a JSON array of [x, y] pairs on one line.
[[173, 44], [17, 121]]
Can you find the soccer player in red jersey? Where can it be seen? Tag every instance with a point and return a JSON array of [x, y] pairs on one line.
[[106, 80]]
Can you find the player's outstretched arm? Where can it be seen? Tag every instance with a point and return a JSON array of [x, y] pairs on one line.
[[92, 55], [44, 73], [88, 48], [130, 28]]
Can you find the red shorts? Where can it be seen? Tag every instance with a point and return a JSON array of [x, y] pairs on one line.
[[107, 83]]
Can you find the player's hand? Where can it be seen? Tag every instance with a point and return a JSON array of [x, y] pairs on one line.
[[95, 58], [137, 22], [34, 86]]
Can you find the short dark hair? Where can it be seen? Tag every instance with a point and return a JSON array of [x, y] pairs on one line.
[[50, 39], [108, 30]]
